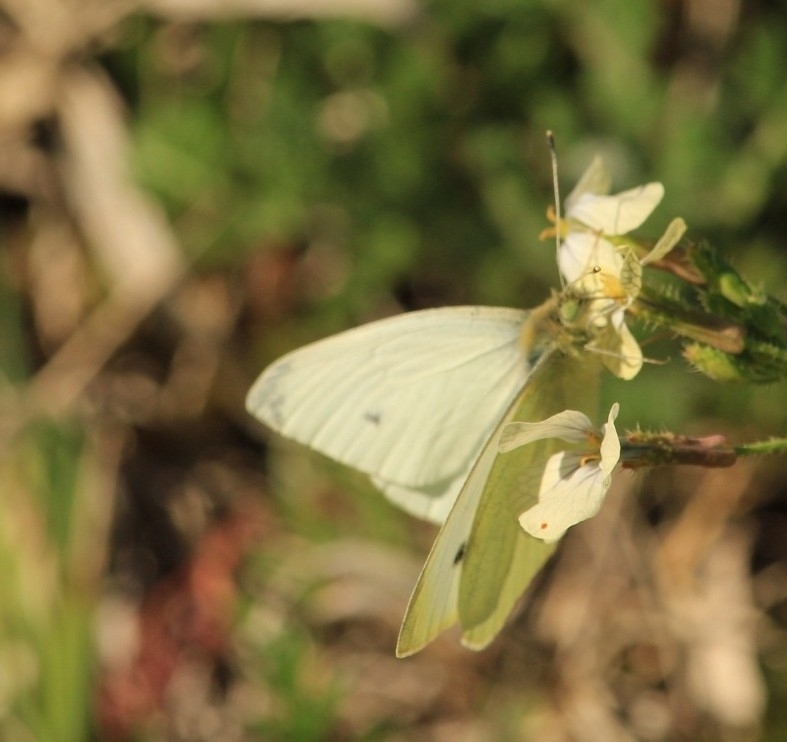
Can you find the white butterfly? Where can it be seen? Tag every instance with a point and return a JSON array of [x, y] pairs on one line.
[[418, 401]]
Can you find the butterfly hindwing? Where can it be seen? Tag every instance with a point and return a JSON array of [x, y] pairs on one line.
[[498, 560], [501, 558], [433, 604]]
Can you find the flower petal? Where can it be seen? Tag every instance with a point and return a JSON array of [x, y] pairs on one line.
[[618, 214], [582, 253], [610, 445], [569, 425], [594, 180], [675, 230], [619, 350], [565, 500]]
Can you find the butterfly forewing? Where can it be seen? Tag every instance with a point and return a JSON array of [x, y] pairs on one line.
[[432, 502], [409, 399]]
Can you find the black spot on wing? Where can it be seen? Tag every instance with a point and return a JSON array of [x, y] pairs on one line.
[[460, 553], [374, 418]]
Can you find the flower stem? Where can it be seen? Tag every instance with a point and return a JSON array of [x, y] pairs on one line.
[[757, 448]]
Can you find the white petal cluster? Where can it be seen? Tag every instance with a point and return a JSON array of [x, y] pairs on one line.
[[601, 269], [576, 479]]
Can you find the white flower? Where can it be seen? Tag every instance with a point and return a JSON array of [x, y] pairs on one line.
[[575, 480], [592, 217], [600, 270]]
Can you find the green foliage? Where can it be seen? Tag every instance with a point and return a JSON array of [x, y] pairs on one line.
[[306, 709], [48, 588]]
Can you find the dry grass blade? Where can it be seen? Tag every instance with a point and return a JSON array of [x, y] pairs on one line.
[[126, 230]]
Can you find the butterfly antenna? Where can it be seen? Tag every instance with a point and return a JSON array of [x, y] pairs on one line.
[[556, 189]]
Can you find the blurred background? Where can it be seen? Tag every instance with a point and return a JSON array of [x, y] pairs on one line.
[[190, 188]]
